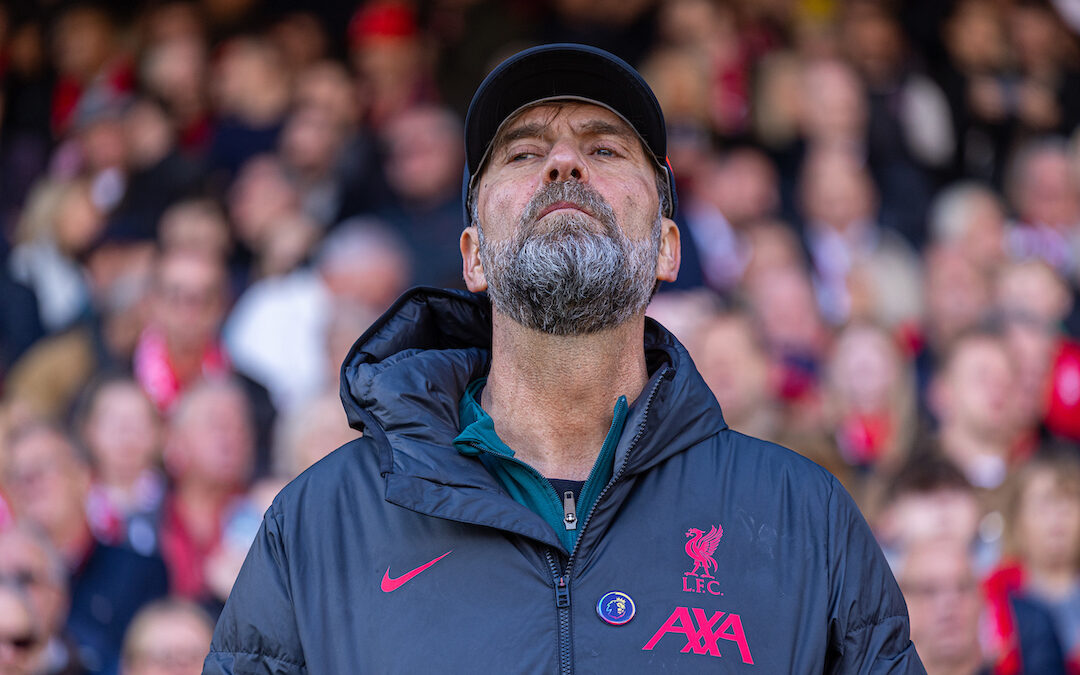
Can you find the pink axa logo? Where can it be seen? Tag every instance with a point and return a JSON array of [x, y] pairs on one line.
[[700, 548]]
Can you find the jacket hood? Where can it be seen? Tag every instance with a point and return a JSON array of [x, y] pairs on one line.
[[404, 377]]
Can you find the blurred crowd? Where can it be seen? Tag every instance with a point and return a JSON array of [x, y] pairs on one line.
[[204, 202]]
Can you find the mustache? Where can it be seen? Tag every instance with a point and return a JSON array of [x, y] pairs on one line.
[[581, 195]]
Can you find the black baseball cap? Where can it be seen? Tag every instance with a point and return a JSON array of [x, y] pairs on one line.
[[563, 71]]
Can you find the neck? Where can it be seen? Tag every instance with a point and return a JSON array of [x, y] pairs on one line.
[[1052, 580], [959, 667], [551, 398], [199, 505], [970, 450]]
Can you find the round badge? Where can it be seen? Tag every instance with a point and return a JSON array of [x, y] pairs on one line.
[[616, 608]]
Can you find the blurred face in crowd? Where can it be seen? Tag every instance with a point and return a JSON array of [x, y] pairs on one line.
[[977, 388], [310, 142], [78, 221], [1048, 521], [975, 37], [570, 232], [148, 133], [1032, 290], [175, 69], [327, 87], [744, 186], [46, 482], [189, 294], [25, 562], [167, 641], [787, 309], [1045, 190], [735, 366], [21, 643], [82, 43], [833, 103], [197, 226], [942, 514], [837, 192], [874, 41], [943, 603], [957, 294], [250, 82], [260, 194], [211, 441], [122, 432], [865, 370], [424, 154]]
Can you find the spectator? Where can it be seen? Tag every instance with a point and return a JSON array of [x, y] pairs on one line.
[[735, 364], [728, 195], [1033, 301], [312, 142], [1045, 195], [167, 637], [308, 433], [972, 394], [870, 388], [944, 606], [180, 343], [277, 331], [928, 499], [209, 454], [957, 297], [264, 206], [121, 430], [48, 481], [861, 270], [157, 174], [21, 635], [29, 560], [424, 160], [969, 218], [58, 225], [388, 56], [1043, 543], [196, 225], [250, 91], [50, 376]]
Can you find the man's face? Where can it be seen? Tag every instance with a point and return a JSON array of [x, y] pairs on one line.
[[569, 221], [943, 602]]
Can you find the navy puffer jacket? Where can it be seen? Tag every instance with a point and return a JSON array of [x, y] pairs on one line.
[[708, 551]]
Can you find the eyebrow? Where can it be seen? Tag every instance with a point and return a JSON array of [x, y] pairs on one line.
[[589, 128]]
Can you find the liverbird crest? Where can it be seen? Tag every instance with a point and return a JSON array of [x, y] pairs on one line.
[[701, 547]]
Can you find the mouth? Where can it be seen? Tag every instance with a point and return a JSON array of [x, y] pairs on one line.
[[561, 206]]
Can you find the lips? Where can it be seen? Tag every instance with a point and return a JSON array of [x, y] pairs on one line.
[[563, 205]]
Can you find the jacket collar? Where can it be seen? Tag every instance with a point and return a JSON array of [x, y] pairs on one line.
[[402, 382]]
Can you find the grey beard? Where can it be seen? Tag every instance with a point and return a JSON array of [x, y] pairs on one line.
[[564, 278]]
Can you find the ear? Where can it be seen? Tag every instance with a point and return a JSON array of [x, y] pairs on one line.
[[471, 268], [667, 263]]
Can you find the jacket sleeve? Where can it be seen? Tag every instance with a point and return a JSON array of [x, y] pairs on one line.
[[257, 630], [868, 620]]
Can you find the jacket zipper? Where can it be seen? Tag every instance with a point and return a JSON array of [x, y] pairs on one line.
[[561, 580], [569, 510]]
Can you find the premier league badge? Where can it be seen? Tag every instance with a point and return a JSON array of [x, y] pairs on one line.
[[616, 608]]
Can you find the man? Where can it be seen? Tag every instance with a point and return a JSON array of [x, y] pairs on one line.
[[167, 637], [48, 480], [614, 537]]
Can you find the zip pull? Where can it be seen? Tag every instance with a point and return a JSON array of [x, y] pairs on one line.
[[562, 593], [569, 510]]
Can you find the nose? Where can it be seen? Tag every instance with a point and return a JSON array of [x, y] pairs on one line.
[[565, 162]]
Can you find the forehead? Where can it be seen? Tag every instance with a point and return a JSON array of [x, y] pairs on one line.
[[541, 119]]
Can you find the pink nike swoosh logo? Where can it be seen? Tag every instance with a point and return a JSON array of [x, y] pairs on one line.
[[389, 584]]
